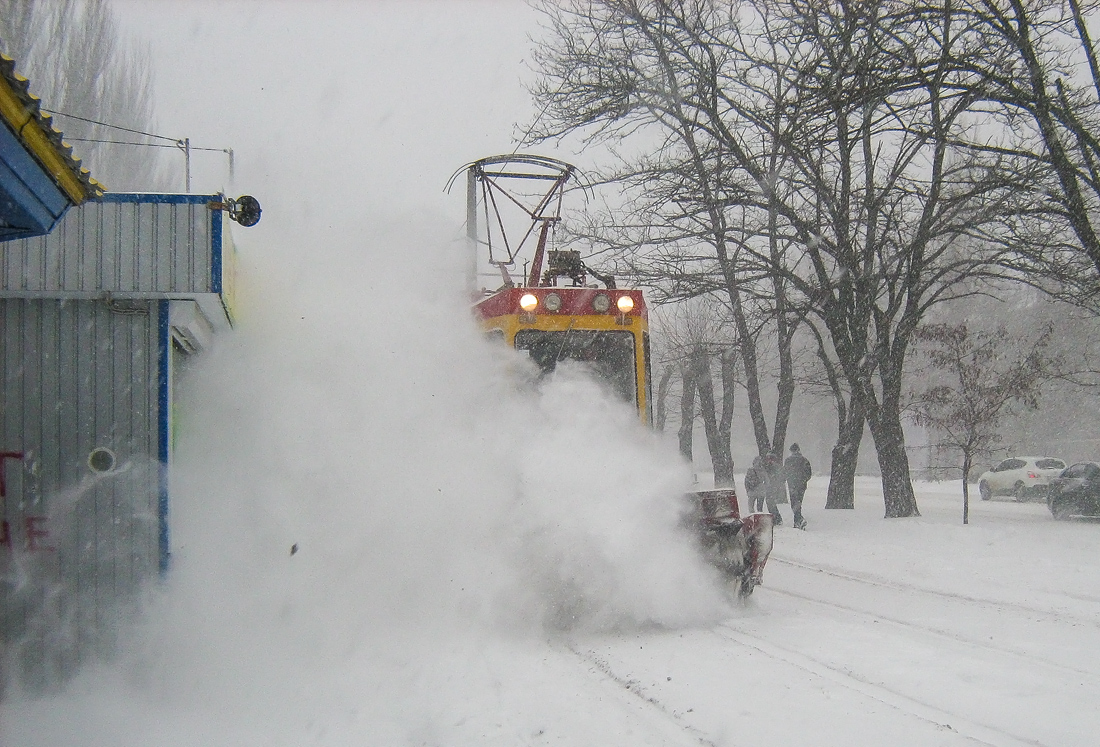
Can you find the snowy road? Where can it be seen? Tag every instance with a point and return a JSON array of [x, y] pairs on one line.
[[867, 632], [835, 649]]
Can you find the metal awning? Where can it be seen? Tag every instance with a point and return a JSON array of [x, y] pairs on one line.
[[39, 177]]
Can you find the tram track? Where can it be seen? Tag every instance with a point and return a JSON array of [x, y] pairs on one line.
[[1025, 657], [1018, 627], [1011, 638], [936, 716], [936, 671], [992, 604]]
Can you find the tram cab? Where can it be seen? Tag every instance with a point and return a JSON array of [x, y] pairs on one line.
[[607, 330]]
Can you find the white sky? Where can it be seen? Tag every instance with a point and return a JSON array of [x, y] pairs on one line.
[[332, 105]]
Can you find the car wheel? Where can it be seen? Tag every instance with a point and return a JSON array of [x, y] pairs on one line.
[[983, 489], [1019, 492], [1060, 510]]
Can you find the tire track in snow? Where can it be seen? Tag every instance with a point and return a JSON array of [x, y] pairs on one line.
[[940, 718], [635, 688], [1081, 597], [1029, 659], [899, 586]]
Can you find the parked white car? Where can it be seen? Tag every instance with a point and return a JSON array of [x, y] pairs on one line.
[[1022, 477]]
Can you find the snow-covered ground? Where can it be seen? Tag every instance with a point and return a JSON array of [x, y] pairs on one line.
[[485, 562], [481, 566], [867, 632]]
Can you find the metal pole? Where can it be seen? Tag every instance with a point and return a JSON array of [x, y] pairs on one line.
[[187, 162], [534, 281], [471, 230]]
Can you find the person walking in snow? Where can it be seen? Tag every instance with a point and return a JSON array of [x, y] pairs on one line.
[[775, 488], [756, 483], [798, 471]]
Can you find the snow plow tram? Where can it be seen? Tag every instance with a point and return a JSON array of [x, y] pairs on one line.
[[556, 315]]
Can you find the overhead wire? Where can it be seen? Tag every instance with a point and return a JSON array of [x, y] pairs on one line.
[[183, 144], [112, 126], [177, 142], [117, 142]]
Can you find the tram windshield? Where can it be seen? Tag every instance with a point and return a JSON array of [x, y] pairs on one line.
[[608, 353]]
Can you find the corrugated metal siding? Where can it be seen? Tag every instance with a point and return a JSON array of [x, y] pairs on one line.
[[76, 375], [122, 246]]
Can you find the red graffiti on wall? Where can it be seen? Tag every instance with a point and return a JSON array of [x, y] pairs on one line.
[[4, 455], [33, 534], [34, 531]]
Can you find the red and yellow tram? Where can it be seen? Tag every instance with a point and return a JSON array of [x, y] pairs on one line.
[[606, 329]]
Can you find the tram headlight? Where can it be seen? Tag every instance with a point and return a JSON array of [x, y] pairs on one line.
[[601, 303], [625, 304], [552, 301], [528, 301]]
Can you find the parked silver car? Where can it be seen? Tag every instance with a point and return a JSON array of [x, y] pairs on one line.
[[1022, 477]]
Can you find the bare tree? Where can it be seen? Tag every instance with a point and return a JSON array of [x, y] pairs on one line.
[[80, 64], [850, 421], [983, 374], [695, 341], [684, 198], [686, 432], [717, 421], [660, 411], [1037, 85], [810, 145]]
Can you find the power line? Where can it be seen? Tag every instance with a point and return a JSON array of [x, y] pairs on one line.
[[176, 144], [183, 144], [122, 142], [113, 126]]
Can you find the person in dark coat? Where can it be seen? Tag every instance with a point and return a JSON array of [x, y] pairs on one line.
[[798, 471], [775, 488]]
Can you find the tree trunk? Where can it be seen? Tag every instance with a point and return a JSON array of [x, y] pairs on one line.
[[784, 327], [842, 475], [966, 487], [687, 411], [893, 462], [884, 418], [661, 409], [850, 423], [720, 458], [729, 387], [752, 376]]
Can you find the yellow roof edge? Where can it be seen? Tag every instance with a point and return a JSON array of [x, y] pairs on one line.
[[22, 112]]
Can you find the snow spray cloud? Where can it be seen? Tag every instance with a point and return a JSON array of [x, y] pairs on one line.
[[359, 472], [366, 422]]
